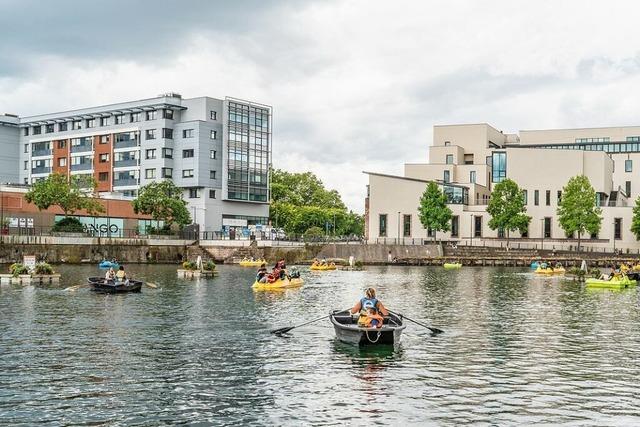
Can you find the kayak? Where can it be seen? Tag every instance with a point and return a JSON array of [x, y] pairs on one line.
[[108, 264], [348, 331], [322, 267], [247, 263], [452, 265], [611, 284], [278, 284]]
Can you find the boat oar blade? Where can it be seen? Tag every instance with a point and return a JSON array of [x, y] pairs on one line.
[[281, 331], [151, 285]]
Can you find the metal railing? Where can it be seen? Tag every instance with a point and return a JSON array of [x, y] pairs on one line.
[[125, 162], [97, 231], [82, 147], [126, 143], [41, 153], [41, 169], [125, 182], [82, 166]]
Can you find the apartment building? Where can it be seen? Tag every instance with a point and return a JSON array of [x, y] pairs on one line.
[[217, 150], [468, 160]]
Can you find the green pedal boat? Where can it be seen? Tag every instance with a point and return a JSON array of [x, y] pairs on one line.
[[611, 284]]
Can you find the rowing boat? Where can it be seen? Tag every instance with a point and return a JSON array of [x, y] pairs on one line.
[[348, 331], [100, 284]]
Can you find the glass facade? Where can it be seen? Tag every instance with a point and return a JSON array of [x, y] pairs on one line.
[[456, 195], [629, 146], [248, 152], [498, 166]]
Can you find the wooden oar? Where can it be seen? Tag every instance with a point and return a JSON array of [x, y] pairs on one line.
[[151, 285], [284, 330], [433, 330]]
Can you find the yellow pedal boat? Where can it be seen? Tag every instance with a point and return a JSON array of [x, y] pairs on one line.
[[248, 263], [278, 284], [322, 267]]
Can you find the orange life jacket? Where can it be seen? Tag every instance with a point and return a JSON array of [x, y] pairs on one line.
[[368, 318]]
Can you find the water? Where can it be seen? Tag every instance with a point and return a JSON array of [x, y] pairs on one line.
[[516, 350]]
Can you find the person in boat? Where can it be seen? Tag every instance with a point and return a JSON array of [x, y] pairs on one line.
[[323, 262], [262, 274], [372, 319], [368, 301], [121, 276], [110, 275]]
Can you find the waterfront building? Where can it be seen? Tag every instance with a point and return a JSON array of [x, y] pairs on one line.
[[468, 160], [217, 150]]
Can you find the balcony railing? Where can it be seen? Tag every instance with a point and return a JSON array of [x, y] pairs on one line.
[[41, 169], [39, 153], [125, 162], [82, 147], [126, 144], [125, 182], [82, 166]]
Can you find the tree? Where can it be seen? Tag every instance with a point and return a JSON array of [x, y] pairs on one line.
[[433, 211], [163, 201], [507, 208], [635, 222], [577, 211], [70, 195]]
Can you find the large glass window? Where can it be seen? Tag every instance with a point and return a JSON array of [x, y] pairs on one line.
[[547, 227], [472, 177], [383, 225], [455, 226], [406, 226], [627, 188], [547, 198], [525, 196], [449, 159], [456, 195], [617, 229], [536, 197], [628, 165], [447, 176], [498, 166]]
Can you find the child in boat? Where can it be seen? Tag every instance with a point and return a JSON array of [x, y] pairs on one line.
[[110, 275], [121, 275], [262, 274], [371, 319]]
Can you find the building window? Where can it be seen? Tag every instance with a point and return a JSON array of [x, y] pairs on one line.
[[498, 166], [48, 128], [76, 125], [187, 153], [37, 130], [104, 121], [62, 127], [547, 197], [26, 165], [477, 226], [104, 139], [120, 119], [151, 115], [406, 226], [449, 159], [62, 144], [167, 133], [617, 228], [472, 177], [193, 193], [135, 117], [447, 143], [628, 165], [187, 133], [214, 134], [455, 227], [213, 115], [167, 173], [187, 173], [26, 148], [150, 134], [104, 158], [587, 140], [559, 197], [525, 197], [547, 227], [212, 174], [383, 225], [536, 197], [167, 153], [212, 154], [149, 173], [627, 188], [103, 176], [62, 161], [212, 194], [447, 176], [91, 123], [151, 153], [167, 114], [26, 131]]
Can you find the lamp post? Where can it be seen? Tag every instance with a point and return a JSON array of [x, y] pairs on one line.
[[541, 233]]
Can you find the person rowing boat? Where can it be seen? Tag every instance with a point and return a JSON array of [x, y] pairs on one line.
[[365, 304]]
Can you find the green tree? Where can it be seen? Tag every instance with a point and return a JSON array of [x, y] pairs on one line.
[[433, 211], [163, 201], [507, 208], [70, 195], [577, 211], [635, 222]]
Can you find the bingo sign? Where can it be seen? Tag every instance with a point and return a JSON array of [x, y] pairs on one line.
[[100, 226]]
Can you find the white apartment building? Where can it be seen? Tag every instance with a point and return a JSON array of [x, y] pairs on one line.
[[217, 150], [467, 160]]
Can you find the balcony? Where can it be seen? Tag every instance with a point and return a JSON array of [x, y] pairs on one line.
[[82, 167], [82, 147], [126, 144], [41, 169], [125, 182], [125, 162], [40, 153]]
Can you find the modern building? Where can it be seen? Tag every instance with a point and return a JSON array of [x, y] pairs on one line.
[[468, 160], [217, 150]]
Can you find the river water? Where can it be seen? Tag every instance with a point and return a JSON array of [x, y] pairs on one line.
[[517, 349]]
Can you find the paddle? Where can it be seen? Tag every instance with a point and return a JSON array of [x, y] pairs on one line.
[[281, 331], [76, 287], [151, 285], [433, 330]]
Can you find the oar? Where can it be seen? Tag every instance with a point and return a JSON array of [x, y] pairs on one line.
[[151, 285], [434, 330], [280, 331], [76, 287]]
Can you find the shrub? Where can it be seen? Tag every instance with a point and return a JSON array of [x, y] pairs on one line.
[[313, 234], [69, 225], [189, 265], [595, 272], [358, 264], [43, 268], [161, 231], [17, 269], [209, 266]]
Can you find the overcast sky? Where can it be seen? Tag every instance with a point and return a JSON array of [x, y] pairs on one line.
[[355, 85]]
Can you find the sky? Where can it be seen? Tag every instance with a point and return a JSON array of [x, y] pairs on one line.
[[355, 85]]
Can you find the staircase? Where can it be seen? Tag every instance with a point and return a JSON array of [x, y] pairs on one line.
[[245, 252], [194, 251]]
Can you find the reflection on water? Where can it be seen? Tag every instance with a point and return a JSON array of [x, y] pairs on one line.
[[517, 349]]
